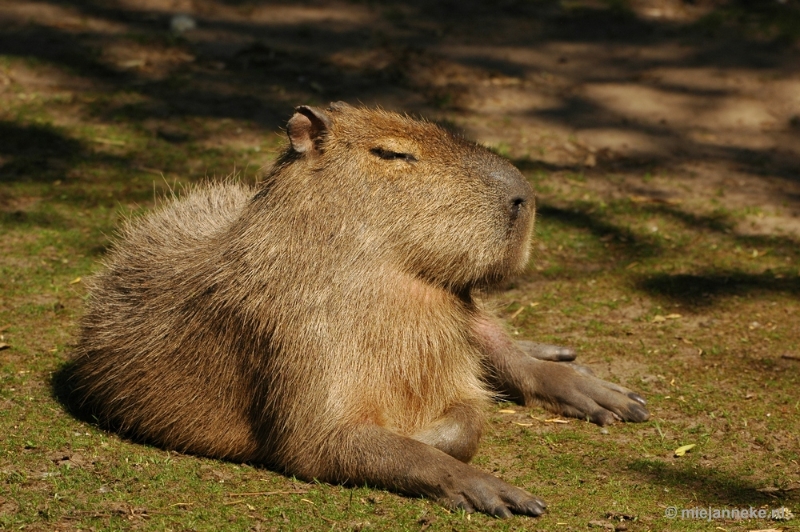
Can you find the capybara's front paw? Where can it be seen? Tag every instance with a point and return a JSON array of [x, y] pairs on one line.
[[574, 391]]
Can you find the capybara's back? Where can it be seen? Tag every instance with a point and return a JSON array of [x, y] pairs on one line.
[[153, 360]]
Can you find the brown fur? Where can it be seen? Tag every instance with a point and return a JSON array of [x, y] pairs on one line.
[[322, 323]]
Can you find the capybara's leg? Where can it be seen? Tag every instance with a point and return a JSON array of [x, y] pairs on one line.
[[372, 455], [562, 387], [456, 433]]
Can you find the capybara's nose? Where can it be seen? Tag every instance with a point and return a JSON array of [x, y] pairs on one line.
[[516, 205], [516, 190]]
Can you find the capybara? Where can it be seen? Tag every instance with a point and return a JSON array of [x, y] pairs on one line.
[[323, 322]]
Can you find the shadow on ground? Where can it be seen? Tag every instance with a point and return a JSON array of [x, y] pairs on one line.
[[704, 290], [253, 60], [710, 485], [36, 153]]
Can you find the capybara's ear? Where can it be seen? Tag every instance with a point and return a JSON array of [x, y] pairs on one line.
[[306, 126]]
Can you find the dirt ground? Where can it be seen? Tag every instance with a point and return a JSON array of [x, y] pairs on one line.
[[669, 88], [688, 108]]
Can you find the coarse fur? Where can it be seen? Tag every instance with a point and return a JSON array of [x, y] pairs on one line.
[[324, 314]]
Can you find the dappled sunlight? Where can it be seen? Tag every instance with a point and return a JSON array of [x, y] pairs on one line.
[[661, 137]]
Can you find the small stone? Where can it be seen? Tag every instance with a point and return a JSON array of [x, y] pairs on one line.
[[182, 23]]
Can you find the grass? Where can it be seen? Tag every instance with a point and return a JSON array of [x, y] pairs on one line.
[[665, 299]]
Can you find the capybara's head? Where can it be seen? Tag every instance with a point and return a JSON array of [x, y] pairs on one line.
[[448, 210]]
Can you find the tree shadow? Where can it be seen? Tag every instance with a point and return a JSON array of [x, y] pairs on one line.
[[691, 290], [629, 243], [704, 289], [36, 153], [710, 486]]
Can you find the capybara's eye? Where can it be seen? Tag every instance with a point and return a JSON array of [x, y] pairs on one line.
[[389, 155]]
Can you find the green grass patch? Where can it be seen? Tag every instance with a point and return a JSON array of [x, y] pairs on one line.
[[660, 298]]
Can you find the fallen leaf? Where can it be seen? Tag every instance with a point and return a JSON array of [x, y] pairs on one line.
[[683, 449], [523, 424], [75, 280], [673, 316], [517, 313], [556, 420], [658, 318], [506, 411]]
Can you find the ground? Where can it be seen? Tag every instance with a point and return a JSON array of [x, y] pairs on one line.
[[663, 140]]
